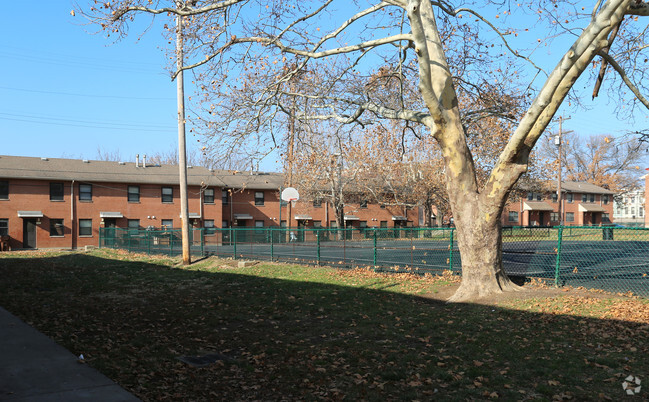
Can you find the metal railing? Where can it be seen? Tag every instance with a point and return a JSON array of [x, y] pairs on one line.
[[609, 258]]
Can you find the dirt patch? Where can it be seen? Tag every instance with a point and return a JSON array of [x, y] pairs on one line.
[[528, 291]]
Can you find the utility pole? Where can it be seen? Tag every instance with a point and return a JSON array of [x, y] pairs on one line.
[[182, 148], [557, 142]]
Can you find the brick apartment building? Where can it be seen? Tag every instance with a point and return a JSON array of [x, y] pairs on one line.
[[62, 203], [359, 215], [582, 204]]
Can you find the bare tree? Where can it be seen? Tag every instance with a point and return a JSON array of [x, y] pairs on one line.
[[362, 62], [611, 163], [327, 168]]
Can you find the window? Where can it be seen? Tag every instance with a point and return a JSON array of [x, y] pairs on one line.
[[167, 223], [224, 224], [259, 198], [584, 197], [641, 211], [208, 196], [383, 224], [259, 225], [554, 217], [530, 196], [632, 211], [56, 227], [208, 224], [605, 199], [4, 190], [225, 197], [513, 216], [570, 216], [167, 195], [4, 227], [85, 192], [538, 197], [555, 197], [606, 218], [382, 206], [592, 198], [317, 224], [333, 224], [133, 226], [56, 191], [362, 225], [570, 197], [317, 202], [133, 193], [363, 203], [85, 227]]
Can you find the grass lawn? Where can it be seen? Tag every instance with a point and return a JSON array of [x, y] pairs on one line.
[[285, 332]]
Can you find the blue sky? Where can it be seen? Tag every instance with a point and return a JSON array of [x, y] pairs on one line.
[[67, 93]]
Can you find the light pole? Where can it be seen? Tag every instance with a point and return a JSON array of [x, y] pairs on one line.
[[557, 142]]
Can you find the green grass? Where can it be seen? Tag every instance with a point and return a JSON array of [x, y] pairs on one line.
[[305, 333]]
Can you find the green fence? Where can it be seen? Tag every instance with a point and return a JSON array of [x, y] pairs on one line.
[[609, 258]]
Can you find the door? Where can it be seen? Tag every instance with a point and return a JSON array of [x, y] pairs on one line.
[[29, 233], [109, 232], [541, 218], [241, 234]]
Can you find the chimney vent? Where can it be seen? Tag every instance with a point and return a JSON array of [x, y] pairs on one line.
[[137, 160], [144, 160]]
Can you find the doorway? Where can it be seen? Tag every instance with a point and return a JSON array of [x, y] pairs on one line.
[[29, 233], [109, 232]]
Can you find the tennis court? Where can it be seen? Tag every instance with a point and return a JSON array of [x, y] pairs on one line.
[[575, 256]]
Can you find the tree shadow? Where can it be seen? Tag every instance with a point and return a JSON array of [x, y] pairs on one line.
[[292, 337]]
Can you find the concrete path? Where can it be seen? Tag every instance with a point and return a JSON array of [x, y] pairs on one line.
[[35, 368]]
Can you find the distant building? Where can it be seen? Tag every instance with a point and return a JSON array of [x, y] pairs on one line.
[[582, 204], [629, 209]]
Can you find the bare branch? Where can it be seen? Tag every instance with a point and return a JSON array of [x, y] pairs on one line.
[[625, 78]]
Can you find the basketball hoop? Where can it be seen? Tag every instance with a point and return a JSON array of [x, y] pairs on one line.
[[289, 194]]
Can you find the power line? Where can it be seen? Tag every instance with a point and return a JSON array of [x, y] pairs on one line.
[[105, 127], [84, 95]]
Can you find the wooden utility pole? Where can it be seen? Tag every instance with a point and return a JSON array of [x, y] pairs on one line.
[[182, 148]]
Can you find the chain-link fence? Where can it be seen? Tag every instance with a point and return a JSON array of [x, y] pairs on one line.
[[608, 258]]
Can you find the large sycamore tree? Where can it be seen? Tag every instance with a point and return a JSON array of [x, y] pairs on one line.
[[418, 61]]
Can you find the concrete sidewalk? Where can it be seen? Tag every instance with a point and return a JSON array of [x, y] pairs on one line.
[[35, 368]]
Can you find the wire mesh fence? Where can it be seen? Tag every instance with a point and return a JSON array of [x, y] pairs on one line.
[[609, 258]]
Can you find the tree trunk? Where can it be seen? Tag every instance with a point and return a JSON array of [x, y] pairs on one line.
[[479, 238], [477, 217]]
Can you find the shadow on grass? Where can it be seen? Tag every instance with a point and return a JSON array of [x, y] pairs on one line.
[[288, 332]]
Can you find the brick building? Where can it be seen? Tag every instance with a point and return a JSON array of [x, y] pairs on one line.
[[582, 204], [359, 215], [62, 203]]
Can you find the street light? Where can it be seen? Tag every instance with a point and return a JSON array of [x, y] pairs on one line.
[[557, 142]]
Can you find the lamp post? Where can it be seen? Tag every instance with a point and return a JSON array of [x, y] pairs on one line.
[[557, 142]]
